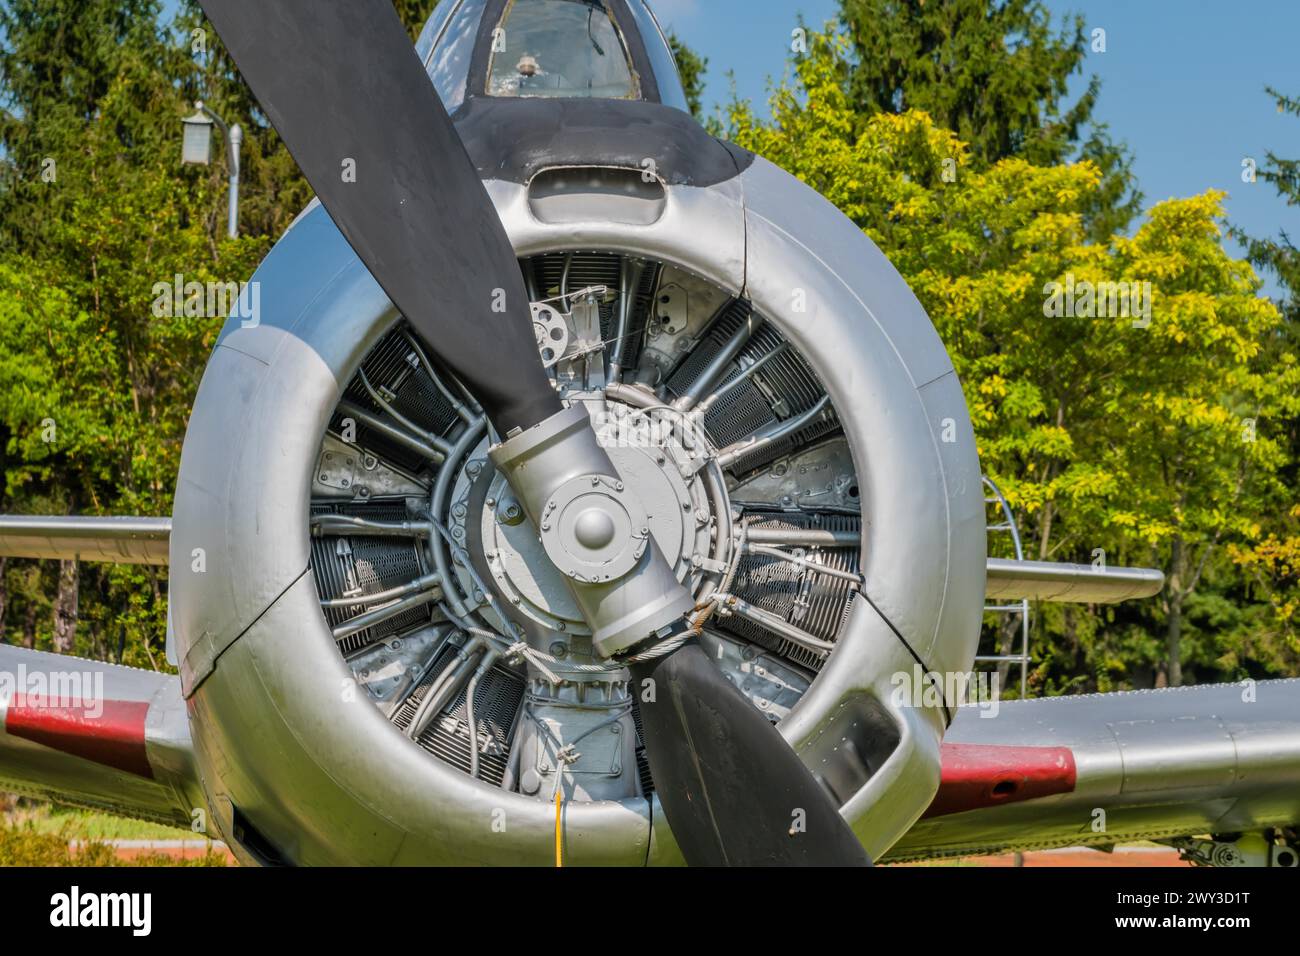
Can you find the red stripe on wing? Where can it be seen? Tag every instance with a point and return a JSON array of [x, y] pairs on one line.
[[977, 776], [114, 738]]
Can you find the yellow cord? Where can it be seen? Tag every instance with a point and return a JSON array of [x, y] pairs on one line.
[[559, 838]]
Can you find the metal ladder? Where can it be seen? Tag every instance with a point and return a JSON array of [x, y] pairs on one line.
[[1008, 525]]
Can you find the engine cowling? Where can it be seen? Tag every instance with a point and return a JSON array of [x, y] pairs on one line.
[[309, 642]]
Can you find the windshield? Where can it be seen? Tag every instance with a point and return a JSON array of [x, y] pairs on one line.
[[560, 48]]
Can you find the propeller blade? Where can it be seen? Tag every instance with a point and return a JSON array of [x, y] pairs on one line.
[[734, 792], [343, 86]]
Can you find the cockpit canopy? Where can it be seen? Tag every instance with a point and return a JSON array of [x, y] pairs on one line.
[[582, 49]]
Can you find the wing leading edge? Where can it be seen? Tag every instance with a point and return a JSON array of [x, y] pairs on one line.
[[114, 540], [137, 540], [1102, 769], [96, 735]]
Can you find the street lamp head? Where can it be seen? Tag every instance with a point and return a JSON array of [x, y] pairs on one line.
[[197, 145]]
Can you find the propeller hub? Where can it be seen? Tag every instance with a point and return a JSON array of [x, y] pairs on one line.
[[594, 529]]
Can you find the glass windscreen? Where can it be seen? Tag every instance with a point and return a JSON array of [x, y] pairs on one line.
[[453, 48], [560, 48]]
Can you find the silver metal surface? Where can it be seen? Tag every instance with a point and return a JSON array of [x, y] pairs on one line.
[[624, 585], [1151, 765], [1069, 583], [144, 711], [379, 782], [438, 740], [112, 540]]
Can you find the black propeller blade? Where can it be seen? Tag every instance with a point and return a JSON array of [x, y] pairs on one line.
[[341, 83], [734, 792]]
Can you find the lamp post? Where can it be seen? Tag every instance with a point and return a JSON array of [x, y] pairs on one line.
[[196, 149]]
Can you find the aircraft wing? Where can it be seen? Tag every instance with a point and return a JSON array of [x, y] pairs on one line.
[[113, 540], [95, 735], [137, 540], [1094, 770], [1102, 769], [1069, 583]]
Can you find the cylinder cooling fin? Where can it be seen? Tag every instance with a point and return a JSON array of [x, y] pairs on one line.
[[382, 662], [440, 597]]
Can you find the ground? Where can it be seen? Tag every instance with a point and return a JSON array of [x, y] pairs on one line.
[[42, 834]]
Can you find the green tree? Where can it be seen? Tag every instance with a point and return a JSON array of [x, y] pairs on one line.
[[1280, 255], [692, 67], [413, 13], [992, 71], [1274, 563], [95, 386], [997, 74], [1121, 429]]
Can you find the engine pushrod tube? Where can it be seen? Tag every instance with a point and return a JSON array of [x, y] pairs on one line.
[[803, 537], [446, 686], [771, 622], [797, 561], [719, 364], [466, 414], [726, 388], [629, 278], [437, 442], [400, 435], [323, 524], [402, 590], [381, 614], [438, 506], [761, 439]]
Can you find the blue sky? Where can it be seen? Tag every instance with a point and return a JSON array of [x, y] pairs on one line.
[[1182, 83]]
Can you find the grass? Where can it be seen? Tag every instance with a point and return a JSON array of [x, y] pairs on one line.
[[33, 833], [48, 818]]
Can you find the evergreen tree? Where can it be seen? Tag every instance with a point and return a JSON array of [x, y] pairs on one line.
[[997, 74], [95, 210], [692, 67], [1150, 442]]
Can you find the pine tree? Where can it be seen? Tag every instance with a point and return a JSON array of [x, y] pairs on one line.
[[691, 66], [996, 74]]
